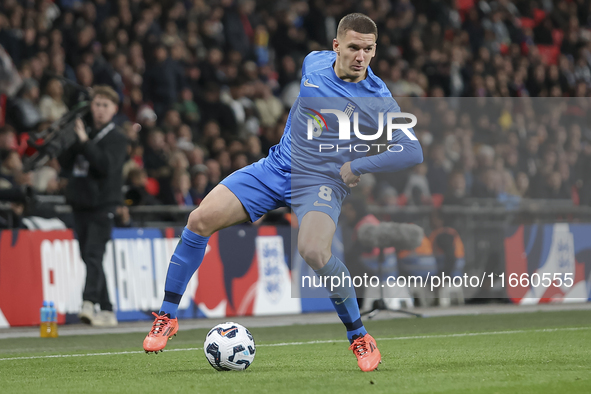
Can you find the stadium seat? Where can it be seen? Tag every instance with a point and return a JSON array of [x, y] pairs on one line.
[[401, 201], [557, 36], [539, 16], [549, 53], [152, 186], [527, 23], [437, 199]]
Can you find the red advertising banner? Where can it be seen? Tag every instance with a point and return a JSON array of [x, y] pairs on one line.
[[245, 271], [21, 279]]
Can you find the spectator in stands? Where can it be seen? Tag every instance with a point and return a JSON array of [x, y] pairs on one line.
[[10, 169], [237, 101], [46, 180], [217, 146], [240, 22], [269, 107], [199, 183], [448, 247], [529, 160], [468, 165], [438, 168], [555, 187], [181, 185], [137, 193], [253, 148], [388, 197], [52, 105], [84, 75], [177, 164], [7, 138], [24, 109], [196, 156], [583, 175], [162, 82], [195, 49], [239, 160], [214, 172], [184, 138], [178, 161], [508, 186], [156, 155], [146, 117], [457, 191], [365, 188], [172, 121], [212, 109], [417, 187], [522, 185], [188, 109], [489, 184], [225, 162], [485, 158]]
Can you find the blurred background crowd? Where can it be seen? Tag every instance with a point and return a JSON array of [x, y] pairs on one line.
[[211, 83]]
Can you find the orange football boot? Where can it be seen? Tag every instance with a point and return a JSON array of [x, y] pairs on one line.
[[163, 329], [367, 353]]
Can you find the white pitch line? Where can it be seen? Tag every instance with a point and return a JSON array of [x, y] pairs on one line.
[[467, 334]]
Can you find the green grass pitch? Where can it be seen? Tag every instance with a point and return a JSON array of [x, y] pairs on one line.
[[544, 352]]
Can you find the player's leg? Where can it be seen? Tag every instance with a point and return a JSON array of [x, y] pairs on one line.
[[314, 243], [317, 228], [245, 195], [218, 210]]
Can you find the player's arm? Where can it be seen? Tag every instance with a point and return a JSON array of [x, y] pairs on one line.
[[405, 152]]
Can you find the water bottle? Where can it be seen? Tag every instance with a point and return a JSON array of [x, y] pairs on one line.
[[53, 320], [45, 329]]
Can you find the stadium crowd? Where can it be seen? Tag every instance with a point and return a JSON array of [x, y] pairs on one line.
[[211, 84]]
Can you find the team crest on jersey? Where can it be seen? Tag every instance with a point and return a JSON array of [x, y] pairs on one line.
[[349, 109]]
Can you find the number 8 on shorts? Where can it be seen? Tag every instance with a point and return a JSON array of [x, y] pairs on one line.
[[325, 193]]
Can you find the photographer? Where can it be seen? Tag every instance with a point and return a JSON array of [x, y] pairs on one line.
[[94, 169]]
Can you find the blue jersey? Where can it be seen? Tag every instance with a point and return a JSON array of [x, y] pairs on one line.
[[312, 144]]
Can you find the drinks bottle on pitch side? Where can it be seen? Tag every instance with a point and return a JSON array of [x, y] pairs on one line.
[[45, 328], [53, 320]]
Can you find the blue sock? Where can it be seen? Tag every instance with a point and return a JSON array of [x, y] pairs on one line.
[[187, 257], [343, 298]]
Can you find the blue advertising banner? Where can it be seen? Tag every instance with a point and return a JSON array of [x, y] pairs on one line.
[[247, 270]]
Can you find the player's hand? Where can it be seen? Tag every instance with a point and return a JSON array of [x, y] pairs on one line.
[[80, 131], [347, 175]]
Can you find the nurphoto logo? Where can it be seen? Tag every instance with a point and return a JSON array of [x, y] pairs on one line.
[[317, 125]]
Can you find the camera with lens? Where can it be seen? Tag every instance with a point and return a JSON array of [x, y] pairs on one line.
[[56, 139]]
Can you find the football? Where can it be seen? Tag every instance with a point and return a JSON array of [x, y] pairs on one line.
[[229, 347]]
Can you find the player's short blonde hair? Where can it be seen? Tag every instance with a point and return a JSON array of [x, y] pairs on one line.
[[107, 92]]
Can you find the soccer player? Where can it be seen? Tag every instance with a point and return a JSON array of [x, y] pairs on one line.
[[315, 192]]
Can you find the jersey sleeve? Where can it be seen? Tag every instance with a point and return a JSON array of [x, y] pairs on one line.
[[404, 150]]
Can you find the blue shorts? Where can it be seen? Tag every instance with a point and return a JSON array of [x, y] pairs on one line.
[[262, 187]]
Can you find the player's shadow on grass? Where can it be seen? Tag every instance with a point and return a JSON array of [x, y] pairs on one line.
[[202, 371], [261, 369]]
